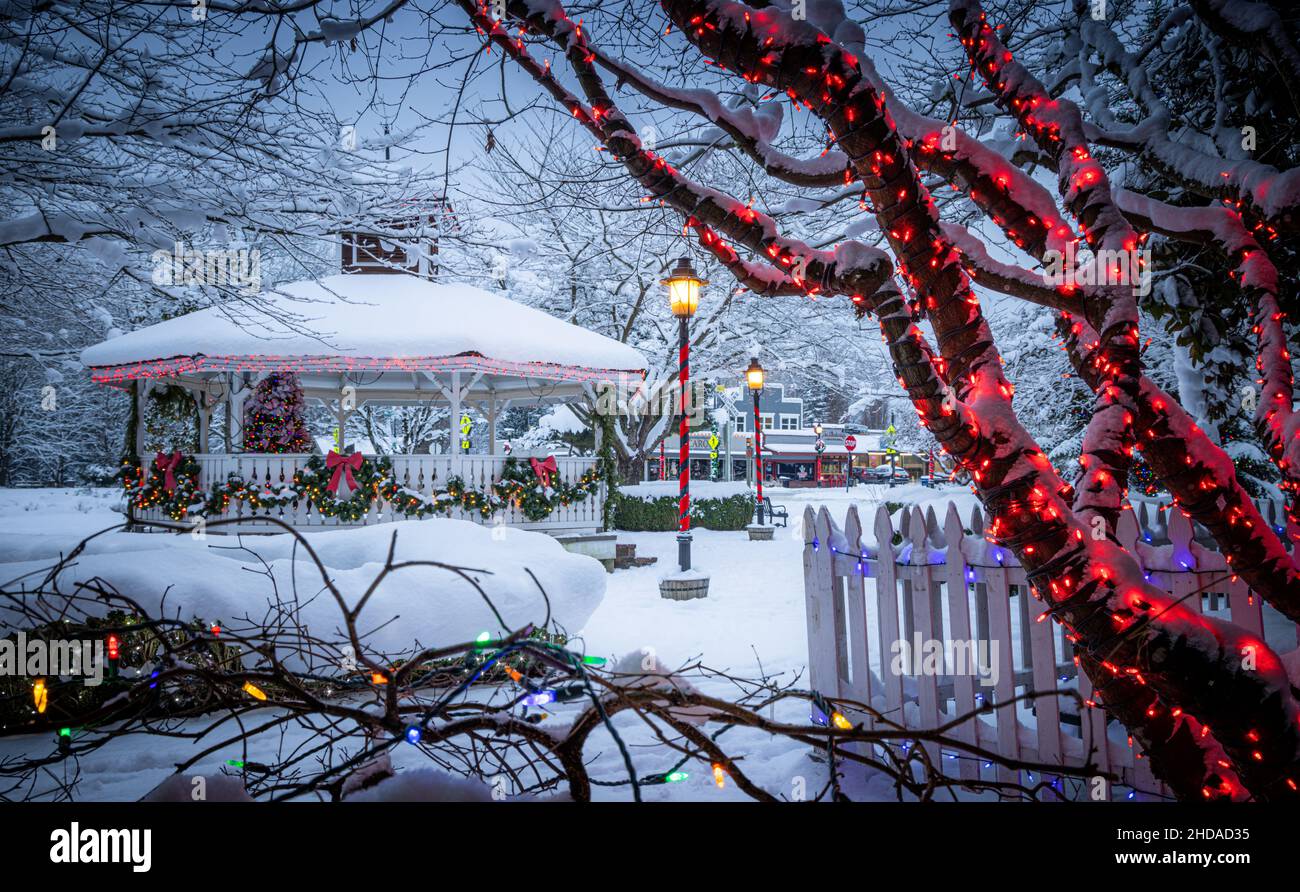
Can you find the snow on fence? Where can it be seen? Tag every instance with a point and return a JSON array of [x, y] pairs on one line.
[[424, 474], [981, 595]]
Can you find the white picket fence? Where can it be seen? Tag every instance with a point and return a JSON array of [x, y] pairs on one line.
[[946, 582], [425, 474]]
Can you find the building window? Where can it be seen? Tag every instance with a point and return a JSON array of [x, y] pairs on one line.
[[789, 422], [767, 422], [740, 422]]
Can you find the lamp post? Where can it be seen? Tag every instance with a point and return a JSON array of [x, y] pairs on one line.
[[818, 446], [684, 299], [754, 380]]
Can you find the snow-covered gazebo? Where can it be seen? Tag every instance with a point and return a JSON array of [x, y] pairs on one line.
[[358, 339]]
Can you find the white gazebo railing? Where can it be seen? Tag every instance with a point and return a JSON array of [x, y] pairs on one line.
[[424, 474], [944, 582]]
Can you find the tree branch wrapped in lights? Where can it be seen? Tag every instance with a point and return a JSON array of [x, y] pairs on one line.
[[1178, 680]]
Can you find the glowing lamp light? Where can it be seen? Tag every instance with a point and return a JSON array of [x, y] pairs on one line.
[[674, 777], [113, 647], [841, 722], [412, 735], [594, 661], [754, 375], [40, 695], [254, 691], [684, 286], [817, 428]]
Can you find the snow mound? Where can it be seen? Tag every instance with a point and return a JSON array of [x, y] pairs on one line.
[[222, 578], [215, 788], [431, 785]]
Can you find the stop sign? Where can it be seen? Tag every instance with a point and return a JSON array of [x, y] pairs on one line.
[[850, 442]]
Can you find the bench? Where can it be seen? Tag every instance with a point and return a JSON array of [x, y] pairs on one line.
[[775, 511]]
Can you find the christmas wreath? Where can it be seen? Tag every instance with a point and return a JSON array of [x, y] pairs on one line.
[[171, 484], [320, 481], [538, 490]]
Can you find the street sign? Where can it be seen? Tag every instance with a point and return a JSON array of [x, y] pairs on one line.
[[850, 442]]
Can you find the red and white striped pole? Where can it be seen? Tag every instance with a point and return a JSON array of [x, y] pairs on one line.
[[758, 455], [684, 451], [684, 298]]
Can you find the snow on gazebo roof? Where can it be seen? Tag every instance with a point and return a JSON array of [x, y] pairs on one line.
[[362, 323]]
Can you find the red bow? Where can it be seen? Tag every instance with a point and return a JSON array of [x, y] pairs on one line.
[[168, 465], [343, 466], [544, 469]]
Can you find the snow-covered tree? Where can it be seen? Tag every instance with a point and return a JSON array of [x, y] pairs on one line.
[[585, 247], [158, 160]]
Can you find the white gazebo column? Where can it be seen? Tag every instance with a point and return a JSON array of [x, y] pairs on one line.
[[139, 390], [228, 409], [205, 419], [492, 425], [341, 419], [455, 396], [453, 423], [239, 391]]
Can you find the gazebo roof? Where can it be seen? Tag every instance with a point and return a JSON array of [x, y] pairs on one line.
[[389, 326]]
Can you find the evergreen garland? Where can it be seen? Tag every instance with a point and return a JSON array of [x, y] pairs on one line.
[[518, 487], [607, 469]]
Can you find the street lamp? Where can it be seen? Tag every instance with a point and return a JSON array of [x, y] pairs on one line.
[[684, 299], [754, 380], [818, 446]]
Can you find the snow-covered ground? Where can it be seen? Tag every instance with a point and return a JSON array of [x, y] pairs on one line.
[[751, 623]]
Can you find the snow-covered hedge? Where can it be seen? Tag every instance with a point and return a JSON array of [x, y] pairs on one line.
[[659, 514]]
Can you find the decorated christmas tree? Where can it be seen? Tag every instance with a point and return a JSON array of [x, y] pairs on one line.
[[273, 416]]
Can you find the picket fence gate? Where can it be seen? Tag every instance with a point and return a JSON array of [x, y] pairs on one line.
[[984, 596]]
